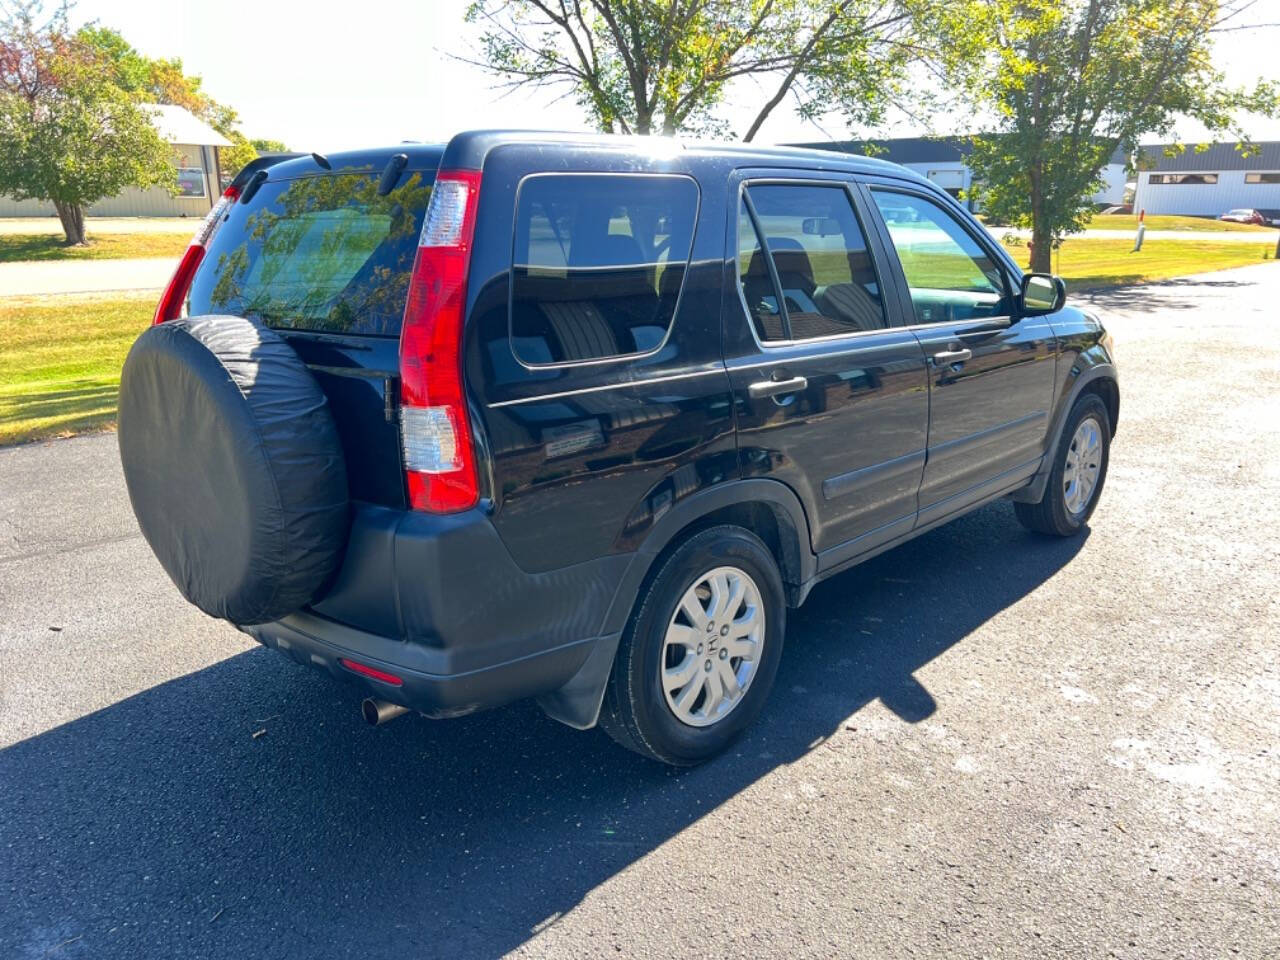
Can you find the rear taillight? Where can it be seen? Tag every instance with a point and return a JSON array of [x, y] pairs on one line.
[[435, 429], [175, 294]]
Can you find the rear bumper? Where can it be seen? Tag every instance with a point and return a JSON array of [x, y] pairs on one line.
[[438, 602], [314, 641]]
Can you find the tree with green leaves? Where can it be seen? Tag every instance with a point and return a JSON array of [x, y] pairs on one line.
[[163, 80], [1069, 82], [664, 66], [269, 146], [70, 135]]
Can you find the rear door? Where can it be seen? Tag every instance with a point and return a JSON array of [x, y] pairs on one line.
[[830, 389], [324, 258], [991, 374]]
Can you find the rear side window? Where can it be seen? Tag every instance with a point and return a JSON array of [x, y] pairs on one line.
[[322, 253], [598, 264], [819, 256]]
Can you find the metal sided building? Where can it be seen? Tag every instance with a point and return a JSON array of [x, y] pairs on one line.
[[195, 155], [1209, 182]]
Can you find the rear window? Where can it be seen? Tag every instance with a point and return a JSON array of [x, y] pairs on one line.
[[322, 253], [598, 264]]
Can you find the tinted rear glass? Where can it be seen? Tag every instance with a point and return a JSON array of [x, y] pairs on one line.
[[322, 253], [598, 264]]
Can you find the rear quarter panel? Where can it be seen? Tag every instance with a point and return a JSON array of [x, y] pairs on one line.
[[578, 449]]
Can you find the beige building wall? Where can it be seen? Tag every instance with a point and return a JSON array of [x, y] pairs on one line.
[[152, 202]]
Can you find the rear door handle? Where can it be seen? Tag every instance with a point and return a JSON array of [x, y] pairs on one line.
[[776, 388], [948, 357]]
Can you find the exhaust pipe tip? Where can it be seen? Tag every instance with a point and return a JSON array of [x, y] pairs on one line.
[[378, 712]]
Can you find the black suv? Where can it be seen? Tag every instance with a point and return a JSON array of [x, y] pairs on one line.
[[579, 418]]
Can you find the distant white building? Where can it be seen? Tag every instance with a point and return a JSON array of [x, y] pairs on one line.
[[1209, 182], [943, 160], [195, 154]]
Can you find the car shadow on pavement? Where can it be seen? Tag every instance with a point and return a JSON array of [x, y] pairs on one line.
[[245, 811], [1157, 295]]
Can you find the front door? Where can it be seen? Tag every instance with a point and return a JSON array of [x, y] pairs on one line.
[[830, 388], [991, 374]]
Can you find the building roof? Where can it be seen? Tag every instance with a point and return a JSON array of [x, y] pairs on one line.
[[178, 125], [1264, 155], [917, 149]]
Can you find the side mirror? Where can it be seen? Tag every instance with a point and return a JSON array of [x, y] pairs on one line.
[[1041, 293]]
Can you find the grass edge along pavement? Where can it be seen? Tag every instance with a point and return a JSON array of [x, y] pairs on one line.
[[1164, 221], [60, 357], [1089, 263]]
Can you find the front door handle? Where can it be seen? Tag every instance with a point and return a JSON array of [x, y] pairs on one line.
[[948, 357], [776, 388]]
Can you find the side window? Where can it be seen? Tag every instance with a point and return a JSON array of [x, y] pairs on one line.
[[598, 264], [819, 253], [949, 274]]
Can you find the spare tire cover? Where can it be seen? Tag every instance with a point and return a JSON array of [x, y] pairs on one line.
[[233, 466]]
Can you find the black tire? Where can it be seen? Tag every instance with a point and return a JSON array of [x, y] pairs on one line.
[[233, 466], [1051, 515], [635, 710]]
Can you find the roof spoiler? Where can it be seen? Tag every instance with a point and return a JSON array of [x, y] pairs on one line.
[[260, 163]]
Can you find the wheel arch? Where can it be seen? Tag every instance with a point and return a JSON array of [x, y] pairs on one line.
[[1108, 389], [768, 508], [1099, 379]]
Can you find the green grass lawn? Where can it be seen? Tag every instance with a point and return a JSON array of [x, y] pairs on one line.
[[1129, 221], [107, 246], [60, 363], [1087, 263]]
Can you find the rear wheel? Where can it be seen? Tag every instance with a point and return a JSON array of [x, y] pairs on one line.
[[1078, 474], [702, 649]]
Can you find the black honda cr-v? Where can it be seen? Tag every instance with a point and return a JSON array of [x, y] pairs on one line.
[[579, 418]]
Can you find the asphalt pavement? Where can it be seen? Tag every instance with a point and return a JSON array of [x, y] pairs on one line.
[[981, 744], [37, 278]]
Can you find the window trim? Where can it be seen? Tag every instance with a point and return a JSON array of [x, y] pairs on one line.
[[1260, 174], [1162, 182], [983, 242], [511, 268], [784, 314], [849, 188]]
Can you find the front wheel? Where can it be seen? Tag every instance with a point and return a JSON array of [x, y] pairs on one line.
[[701, 652], [1078, 473]]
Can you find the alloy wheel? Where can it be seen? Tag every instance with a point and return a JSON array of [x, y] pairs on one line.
[[712, 646]]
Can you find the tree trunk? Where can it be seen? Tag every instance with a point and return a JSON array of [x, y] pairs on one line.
[[1041, 247], [72, 217]]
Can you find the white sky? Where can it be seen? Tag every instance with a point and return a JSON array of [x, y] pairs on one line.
[[349, 75]]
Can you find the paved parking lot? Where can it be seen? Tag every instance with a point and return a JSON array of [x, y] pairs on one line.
[[983, 743]]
